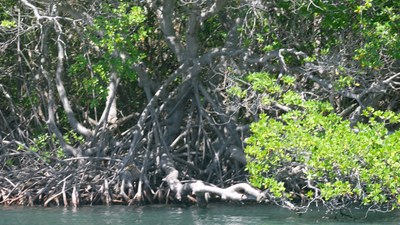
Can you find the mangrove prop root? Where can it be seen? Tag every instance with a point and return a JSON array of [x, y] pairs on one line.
[[74, 185]]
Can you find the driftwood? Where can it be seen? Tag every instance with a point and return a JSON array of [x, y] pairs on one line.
[[238, 192], [199, 189]]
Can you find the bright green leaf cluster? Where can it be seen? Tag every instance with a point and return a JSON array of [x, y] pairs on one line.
[[360, 163], [263, 82], [237, 91], [8, 24]]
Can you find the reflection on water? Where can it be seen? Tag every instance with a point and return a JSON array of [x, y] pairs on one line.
[[175, 215]]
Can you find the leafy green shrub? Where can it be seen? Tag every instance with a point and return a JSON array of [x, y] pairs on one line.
[[339, 163]]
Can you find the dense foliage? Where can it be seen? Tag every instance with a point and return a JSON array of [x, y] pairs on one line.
[[306, 149], [311, 154]]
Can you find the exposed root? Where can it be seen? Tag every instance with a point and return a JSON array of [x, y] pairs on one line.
[[84, 181], [75, 197]]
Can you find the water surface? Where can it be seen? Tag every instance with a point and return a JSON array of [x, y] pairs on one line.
[[175, 215]]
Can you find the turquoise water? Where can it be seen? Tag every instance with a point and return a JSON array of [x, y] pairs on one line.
[[174, 215]]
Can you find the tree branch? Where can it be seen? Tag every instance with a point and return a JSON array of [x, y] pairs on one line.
[[37, 14], [63, 95], [109, 115], [165, 15], [214, 9]]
